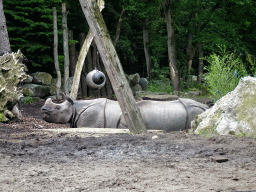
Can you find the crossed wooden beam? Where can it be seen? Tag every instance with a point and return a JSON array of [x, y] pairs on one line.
[[98, 32]]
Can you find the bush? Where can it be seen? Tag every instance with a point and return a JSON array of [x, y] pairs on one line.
[[224, 73], [163, 85]]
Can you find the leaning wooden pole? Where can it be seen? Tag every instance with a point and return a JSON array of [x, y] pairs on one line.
[[55, 53], [113, 66], [82, 55]]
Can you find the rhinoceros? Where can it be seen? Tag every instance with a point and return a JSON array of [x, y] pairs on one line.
[[104, 113]]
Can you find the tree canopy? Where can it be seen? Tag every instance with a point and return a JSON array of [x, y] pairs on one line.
[[214, 23]]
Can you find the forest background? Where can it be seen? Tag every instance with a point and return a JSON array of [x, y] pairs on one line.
[[203, 34]]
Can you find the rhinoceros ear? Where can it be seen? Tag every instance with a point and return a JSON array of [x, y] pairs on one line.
[[69, 99]]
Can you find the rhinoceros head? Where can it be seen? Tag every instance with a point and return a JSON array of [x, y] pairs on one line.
[[57, 113]]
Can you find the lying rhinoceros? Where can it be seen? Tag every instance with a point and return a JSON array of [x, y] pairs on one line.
[[104, 113]]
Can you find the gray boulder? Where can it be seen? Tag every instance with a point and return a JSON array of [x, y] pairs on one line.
[[29, 79], [134, 79], [35, 90], [143, 83], [42, 78], [232, 114]]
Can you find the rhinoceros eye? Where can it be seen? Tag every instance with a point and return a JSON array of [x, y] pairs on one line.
[[57, 107]]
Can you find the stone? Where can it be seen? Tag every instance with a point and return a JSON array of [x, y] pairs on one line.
[[232, 114], [53, 87], [155, 137], [134, 78], [219, 159], [42, 78], [143, 83], [29, 79], [34, 90], [194, 92]]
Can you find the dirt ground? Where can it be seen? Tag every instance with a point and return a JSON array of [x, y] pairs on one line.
[[32, 159]]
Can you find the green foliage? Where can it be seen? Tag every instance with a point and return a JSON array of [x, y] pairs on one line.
[[225, 71], [208, 132], [2, 117], [30, 28], [28, 100], [163, 85], [213, 22]]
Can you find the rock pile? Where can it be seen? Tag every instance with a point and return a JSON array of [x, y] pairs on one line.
[[137, 83], [38, 85], [233, 114]]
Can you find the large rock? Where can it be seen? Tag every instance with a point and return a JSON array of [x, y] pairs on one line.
[[143, 83], [42, 78], [34, 90], [233, 114], [53, 87]]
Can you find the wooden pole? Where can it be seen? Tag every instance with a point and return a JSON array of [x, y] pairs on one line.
[[72, 54], [82, 55], [65, 47], [113, 66], [55, 53]]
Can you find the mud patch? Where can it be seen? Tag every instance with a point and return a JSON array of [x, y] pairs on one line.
[[64, 161]]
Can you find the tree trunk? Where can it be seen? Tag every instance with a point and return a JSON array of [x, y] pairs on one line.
[[72, 53], [201, 62], [118, 28], [146, 48], [171, 47], [81, 58], [4, 38], [112, 64], [65, 47], [84, 70], [55, 53], [190, 51]]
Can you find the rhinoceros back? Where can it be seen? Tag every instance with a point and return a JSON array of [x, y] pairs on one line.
[[163, 115]]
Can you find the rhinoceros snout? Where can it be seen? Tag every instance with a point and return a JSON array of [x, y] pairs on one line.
[[46, 110]]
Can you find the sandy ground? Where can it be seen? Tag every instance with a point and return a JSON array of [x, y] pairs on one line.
[[35, 159]]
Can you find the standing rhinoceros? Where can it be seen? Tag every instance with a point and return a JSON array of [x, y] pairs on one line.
[[104, 113]]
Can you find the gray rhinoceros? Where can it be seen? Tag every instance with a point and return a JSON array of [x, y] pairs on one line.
[[104, 113]]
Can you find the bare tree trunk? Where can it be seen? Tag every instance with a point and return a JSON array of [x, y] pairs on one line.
[[82, 56], [190, 51], [55, 53], [72, 53], [171, 47], [147, 49], [65, 47], [118, 28], [112, 64], [84, 70], [4, 38], [201, 62]]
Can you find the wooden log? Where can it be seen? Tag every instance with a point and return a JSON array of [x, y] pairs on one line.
[[65, 47], [113, 66], [84, 71], [72, 54], [55, 53]]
